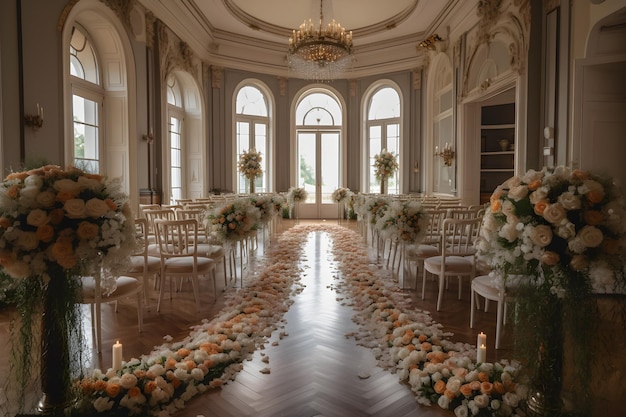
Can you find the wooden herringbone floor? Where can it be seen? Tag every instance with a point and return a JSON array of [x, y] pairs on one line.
[[313, 371]]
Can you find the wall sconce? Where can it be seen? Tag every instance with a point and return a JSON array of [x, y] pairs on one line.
[[34, 120], [447, 154]]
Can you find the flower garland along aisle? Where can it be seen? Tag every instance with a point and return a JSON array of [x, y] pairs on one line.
[[249, 166], [556, 238], [407, 341], [161, 382], [56, 225], [385, 166]]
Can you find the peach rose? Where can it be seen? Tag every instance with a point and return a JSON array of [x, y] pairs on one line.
[[87, 230], [610, 246], [591, 236], [533, 185], [183, 352], [486, 388], [496, 206], [499, 387], [541, 235], [113, 389], [466, 390], [100, 385], [518, 192], [579, 262], [540, 207], [74, 208], [67, 185], [45, 233], [134, 392], [451, 395], [56, 215], [46, 198], [593, 217], [554, 213], [440, 387], [5, 223], [149, 387], [550, 258], [483, 376], [569, 201]]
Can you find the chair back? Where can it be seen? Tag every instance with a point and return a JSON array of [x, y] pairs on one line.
[[141, 236], [176, 238], [458, 236], [433, 228]]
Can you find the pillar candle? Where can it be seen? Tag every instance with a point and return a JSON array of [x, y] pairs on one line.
[[481, 354], [482, 340], [117, 356]]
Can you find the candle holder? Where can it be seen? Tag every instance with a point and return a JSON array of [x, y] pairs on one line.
[[34, 121], [447, 154]]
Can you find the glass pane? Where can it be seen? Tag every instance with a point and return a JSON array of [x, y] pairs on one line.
[[307, 158], [176, 172], [86, 134], [385, 104], [251, 101], [329, 166], [321, 102], [260, 144], [83, 62], [375, 146], [393, 146]]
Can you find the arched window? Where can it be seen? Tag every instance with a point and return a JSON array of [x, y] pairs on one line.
[[87, 99], [174, 133], [382, 132], [252, 129]]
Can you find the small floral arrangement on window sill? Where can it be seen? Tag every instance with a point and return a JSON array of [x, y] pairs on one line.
[[249, 164], [341, 195], [296, 195], [385, 164]]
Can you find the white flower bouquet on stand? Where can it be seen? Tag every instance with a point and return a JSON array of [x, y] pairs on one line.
[[385, 166], [341, 196], [295, 196], [249, 166]]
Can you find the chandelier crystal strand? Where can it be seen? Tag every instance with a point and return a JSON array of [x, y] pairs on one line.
[[320, 54]]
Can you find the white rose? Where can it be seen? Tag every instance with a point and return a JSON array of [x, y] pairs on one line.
[[37, 217], [566, 230], [518, 192], [569, 201], [96, 208], [29, 193], [46, 198], [592, 186], [512, 182], [461, 411], [508, 232], [540, 235], [454, 385], [591, 236], [17, 269], [495, 404], [67, 185], [508, 208], [128, 381], [576, 245], [511, 399], [481, 400], [33, 181], [102, 404], [538, 195], [532, 175], [554, 213], [443, 402], [74, 208]]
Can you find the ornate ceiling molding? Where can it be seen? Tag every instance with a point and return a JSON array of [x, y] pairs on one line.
[[174, 53]]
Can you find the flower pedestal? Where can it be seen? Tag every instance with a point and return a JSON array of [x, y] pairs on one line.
[[252, 189], [383, 185], [56, 381]]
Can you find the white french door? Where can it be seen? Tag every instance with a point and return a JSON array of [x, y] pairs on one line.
[[319, 171]]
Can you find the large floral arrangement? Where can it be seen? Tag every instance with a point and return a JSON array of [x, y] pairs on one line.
[[249, 164], [341, 195], [56, 225], [403, 221], [555, 238], [385, 164], [265, 206], [554, 224], [233, 220], [296, 195]]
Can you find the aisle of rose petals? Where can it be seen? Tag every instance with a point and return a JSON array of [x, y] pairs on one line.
[[405, 340]]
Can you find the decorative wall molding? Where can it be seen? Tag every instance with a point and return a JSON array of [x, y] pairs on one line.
[[122, 9], [417, 78], [488, 12], [150, 22], [174, 53], [64, 14], [550, 5], [282, 86], [217, 74]]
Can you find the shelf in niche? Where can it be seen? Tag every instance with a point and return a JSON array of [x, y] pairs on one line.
[[496, 170], [498, 153], [505, 126]]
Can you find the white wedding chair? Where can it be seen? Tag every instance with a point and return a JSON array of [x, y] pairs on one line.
[[483, 286], [457, 253], [142, 264], [92, 294], [178, 246]]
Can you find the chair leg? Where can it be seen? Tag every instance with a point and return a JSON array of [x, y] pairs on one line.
[[499, 320], [442, 279], [140, 311], [423, 283], [474, 296]]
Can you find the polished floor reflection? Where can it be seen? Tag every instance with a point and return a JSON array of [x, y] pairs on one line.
[[314, 370]]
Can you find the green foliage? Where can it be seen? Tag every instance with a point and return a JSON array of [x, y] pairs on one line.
[[306, 172]]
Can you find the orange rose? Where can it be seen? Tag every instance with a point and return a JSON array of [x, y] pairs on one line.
[[496, 206], [56, 215], [426, 346], [540, 207], [45, 233], [110, 203], [87, 387], [486, 388], [5, 223], [149, 387], [610, 246], [499, 387], [170, 363], [113, 389], [63, 196], [100, 385], [595, 196], [483, 377], [134, 392], [87, 230], [533, 185], [449, 394], [440, 387], [215, 383], [183, 353], [12, 192], [466, 389], [422, 338], [593, 217], [475, 385], [190, 364], [580, 174]]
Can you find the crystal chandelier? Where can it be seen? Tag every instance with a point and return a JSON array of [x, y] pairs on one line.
[[320, 54]]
